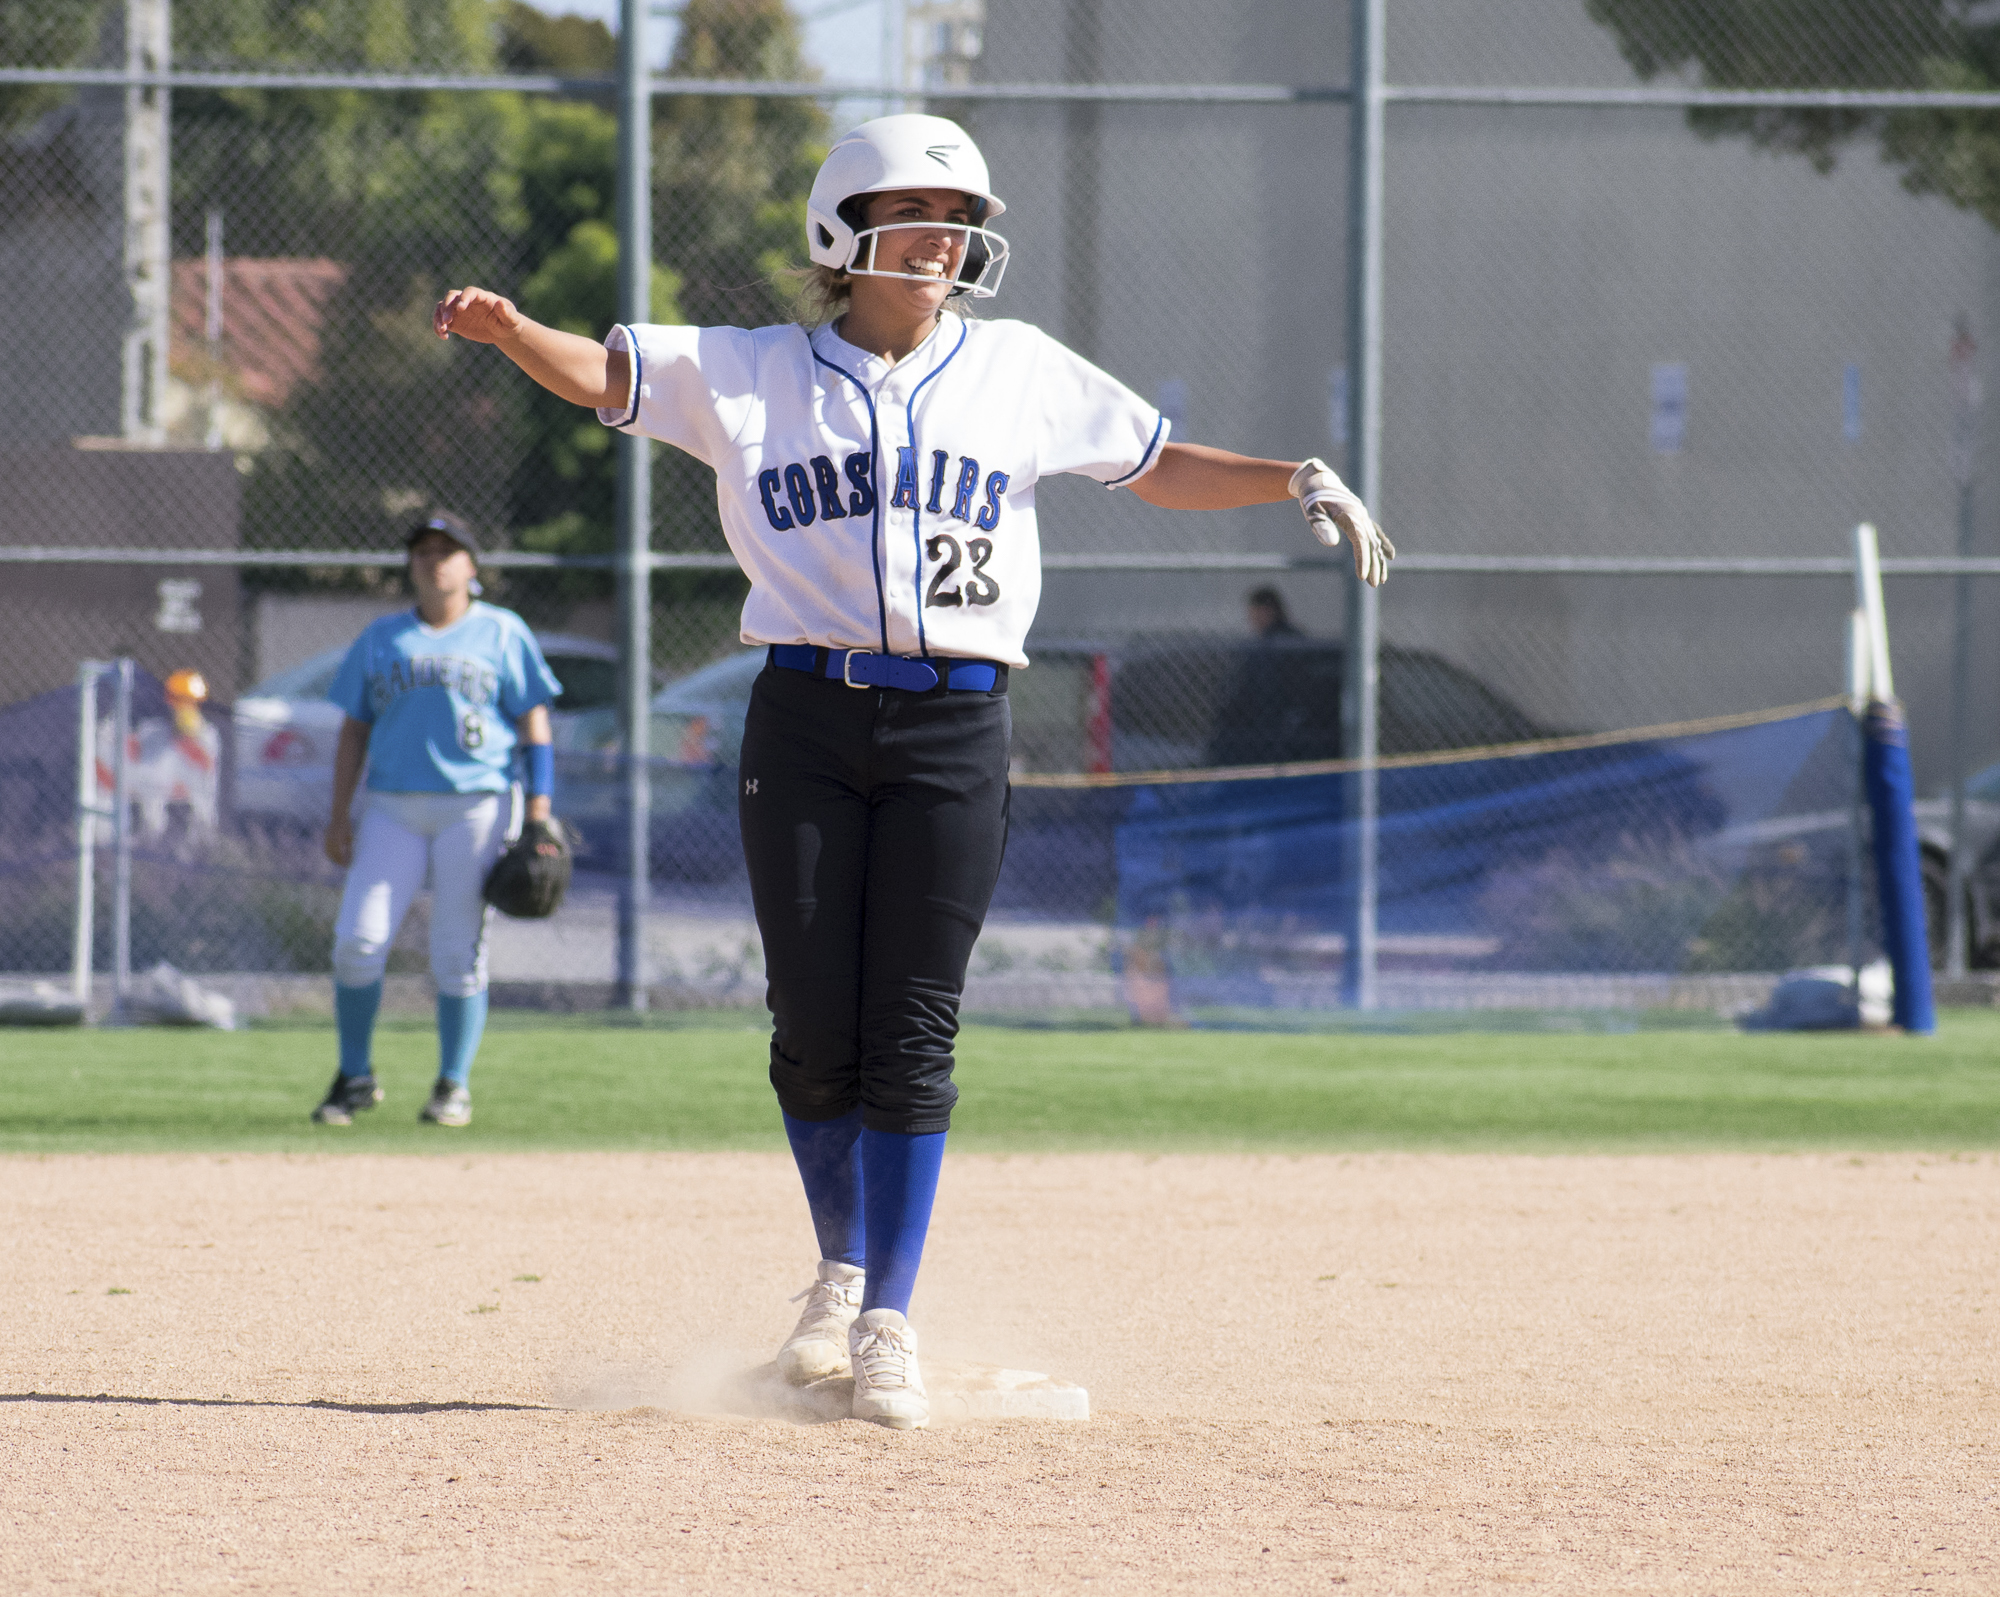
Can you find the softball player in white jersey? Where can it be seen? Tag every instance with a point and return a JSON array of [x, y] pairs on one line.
[[876, 480], [436, 698]]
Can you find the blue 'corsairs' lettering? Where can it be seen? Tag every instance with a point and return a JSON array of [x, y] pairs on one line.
[[989, 513], [799, 489], [776, 514], [905, 496], [935, 504], [828, 481], [968, 484], [860, 472]]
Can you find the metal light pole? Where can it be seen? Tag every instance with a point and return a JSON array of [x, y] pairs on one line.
[[635, 500], [1360, 691], [1966, 395]]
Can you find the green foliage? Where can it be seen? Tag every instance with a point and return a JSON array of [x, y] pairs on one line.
[[730, 179], [414, 194], [568, 45], [1777, 44], [540, 1083], [43, 33], [1864, 44], [417, 194], [410, 204], [731, 176], [377, 35]]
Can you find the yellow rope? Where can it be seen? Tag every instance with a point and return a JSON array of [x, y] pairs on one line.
[[1404, 762]]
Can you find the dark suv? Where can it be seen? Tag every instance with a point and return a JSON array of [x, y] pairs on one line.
[[1190, 700]]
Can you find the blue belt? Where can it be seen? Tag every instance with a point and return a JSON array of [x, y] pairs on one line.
[[862, 670]]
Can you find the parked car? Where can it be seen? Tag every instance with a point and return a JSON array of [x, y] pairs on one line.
[[1173, 703], [286, 728], [1194, 702], [1818, 841], [696, 734], [1200, 700]]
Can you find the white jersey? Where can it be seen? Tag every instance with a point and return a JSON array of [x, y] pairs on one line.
[[884, 507]]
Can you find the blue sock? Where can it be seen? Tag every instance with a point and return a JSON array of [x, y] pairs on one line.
[[828, 1153], [460, 1023], [899, 1177], [354, 1015]]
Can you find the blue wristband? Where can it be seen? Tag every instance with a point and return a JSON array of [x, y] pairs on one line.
[[541, 770]]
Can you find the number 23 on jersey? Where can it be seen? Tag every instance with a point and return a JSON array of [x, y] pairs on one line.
[[950, 557]]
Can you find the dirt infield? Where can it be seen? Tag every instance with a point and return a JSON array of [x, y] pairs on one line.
[[1395, 1373]]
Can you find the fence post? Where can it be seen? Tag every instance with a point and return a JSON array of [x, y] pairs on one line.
[[1857, 808], [121, 841], [83, 953], [635, 501], [1966, 401], [1364, 470], [148, 195]]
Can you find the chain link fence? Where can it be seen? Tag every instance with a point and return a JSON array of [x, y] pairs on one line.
[[1640, 306]]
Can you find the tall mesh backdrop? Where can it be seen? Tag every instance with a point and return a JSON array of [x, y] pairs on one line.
[[1611, 330]]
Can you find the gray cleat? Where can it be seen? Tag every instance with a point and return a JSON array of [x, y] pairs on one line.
[[347, 1095], [450, 1104]]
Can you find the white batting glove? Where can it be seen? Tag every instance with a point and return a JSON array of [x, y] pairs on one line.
[[1332, 509]]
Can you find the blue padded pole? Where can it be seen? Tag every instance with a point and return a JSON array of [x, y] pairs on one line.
[[1885, 773], [1899, 875]]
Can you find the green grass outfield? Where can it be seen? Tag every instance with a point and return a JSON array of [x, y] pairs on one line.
[[569, 1083]]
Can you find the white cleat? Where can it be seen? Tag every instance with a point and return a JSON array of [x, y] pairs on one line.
[[888, 1387], [817, 1348]]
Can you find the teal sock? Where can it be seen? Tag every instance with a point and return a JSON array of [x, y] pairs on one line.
[[354, 1016], [460, 1023]]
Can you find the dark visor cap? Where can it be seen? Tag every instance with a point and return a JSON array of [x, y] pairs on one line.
[[456, 528]]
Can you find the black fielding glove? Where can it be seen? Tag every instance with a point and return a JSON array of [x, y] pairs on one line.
[[529, 880]]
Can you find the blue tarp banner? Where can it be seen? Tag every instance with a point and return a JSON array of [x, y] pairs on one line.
[[1724, 849], [1715, 848]]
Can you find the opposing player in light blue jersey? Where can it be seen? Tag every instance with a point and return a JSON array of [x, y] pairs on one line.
[[875, 476], [439, 699]]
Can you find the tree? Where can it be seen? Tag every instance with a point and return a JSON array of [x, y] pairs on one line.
[[43, 33], [730, 180], [416, 192], [568, 45], [565, 485], [731, 176], [1832, 44]]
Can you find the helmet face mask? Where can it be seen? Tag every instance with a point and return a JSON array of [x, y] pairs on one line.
[[982, 256], [903, 152]]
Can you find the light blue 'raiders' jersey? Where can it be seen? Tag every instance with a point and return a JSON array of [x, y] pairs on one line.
[[442, 703]]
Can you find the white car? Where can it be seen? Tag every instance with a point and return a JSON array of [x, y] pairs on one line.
[[697, 720], [286, 727]]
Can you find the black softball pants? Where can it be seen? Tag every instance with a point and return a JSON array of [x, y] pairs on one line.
[[874, 821]]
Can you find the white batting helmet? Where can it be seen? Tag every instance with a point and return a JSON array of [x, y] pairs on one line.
[[903, 152]]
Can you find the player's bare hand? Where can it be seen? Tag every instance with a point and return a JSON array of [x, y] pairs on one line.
[[1332, 510], [478, 314], [340, 841]]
